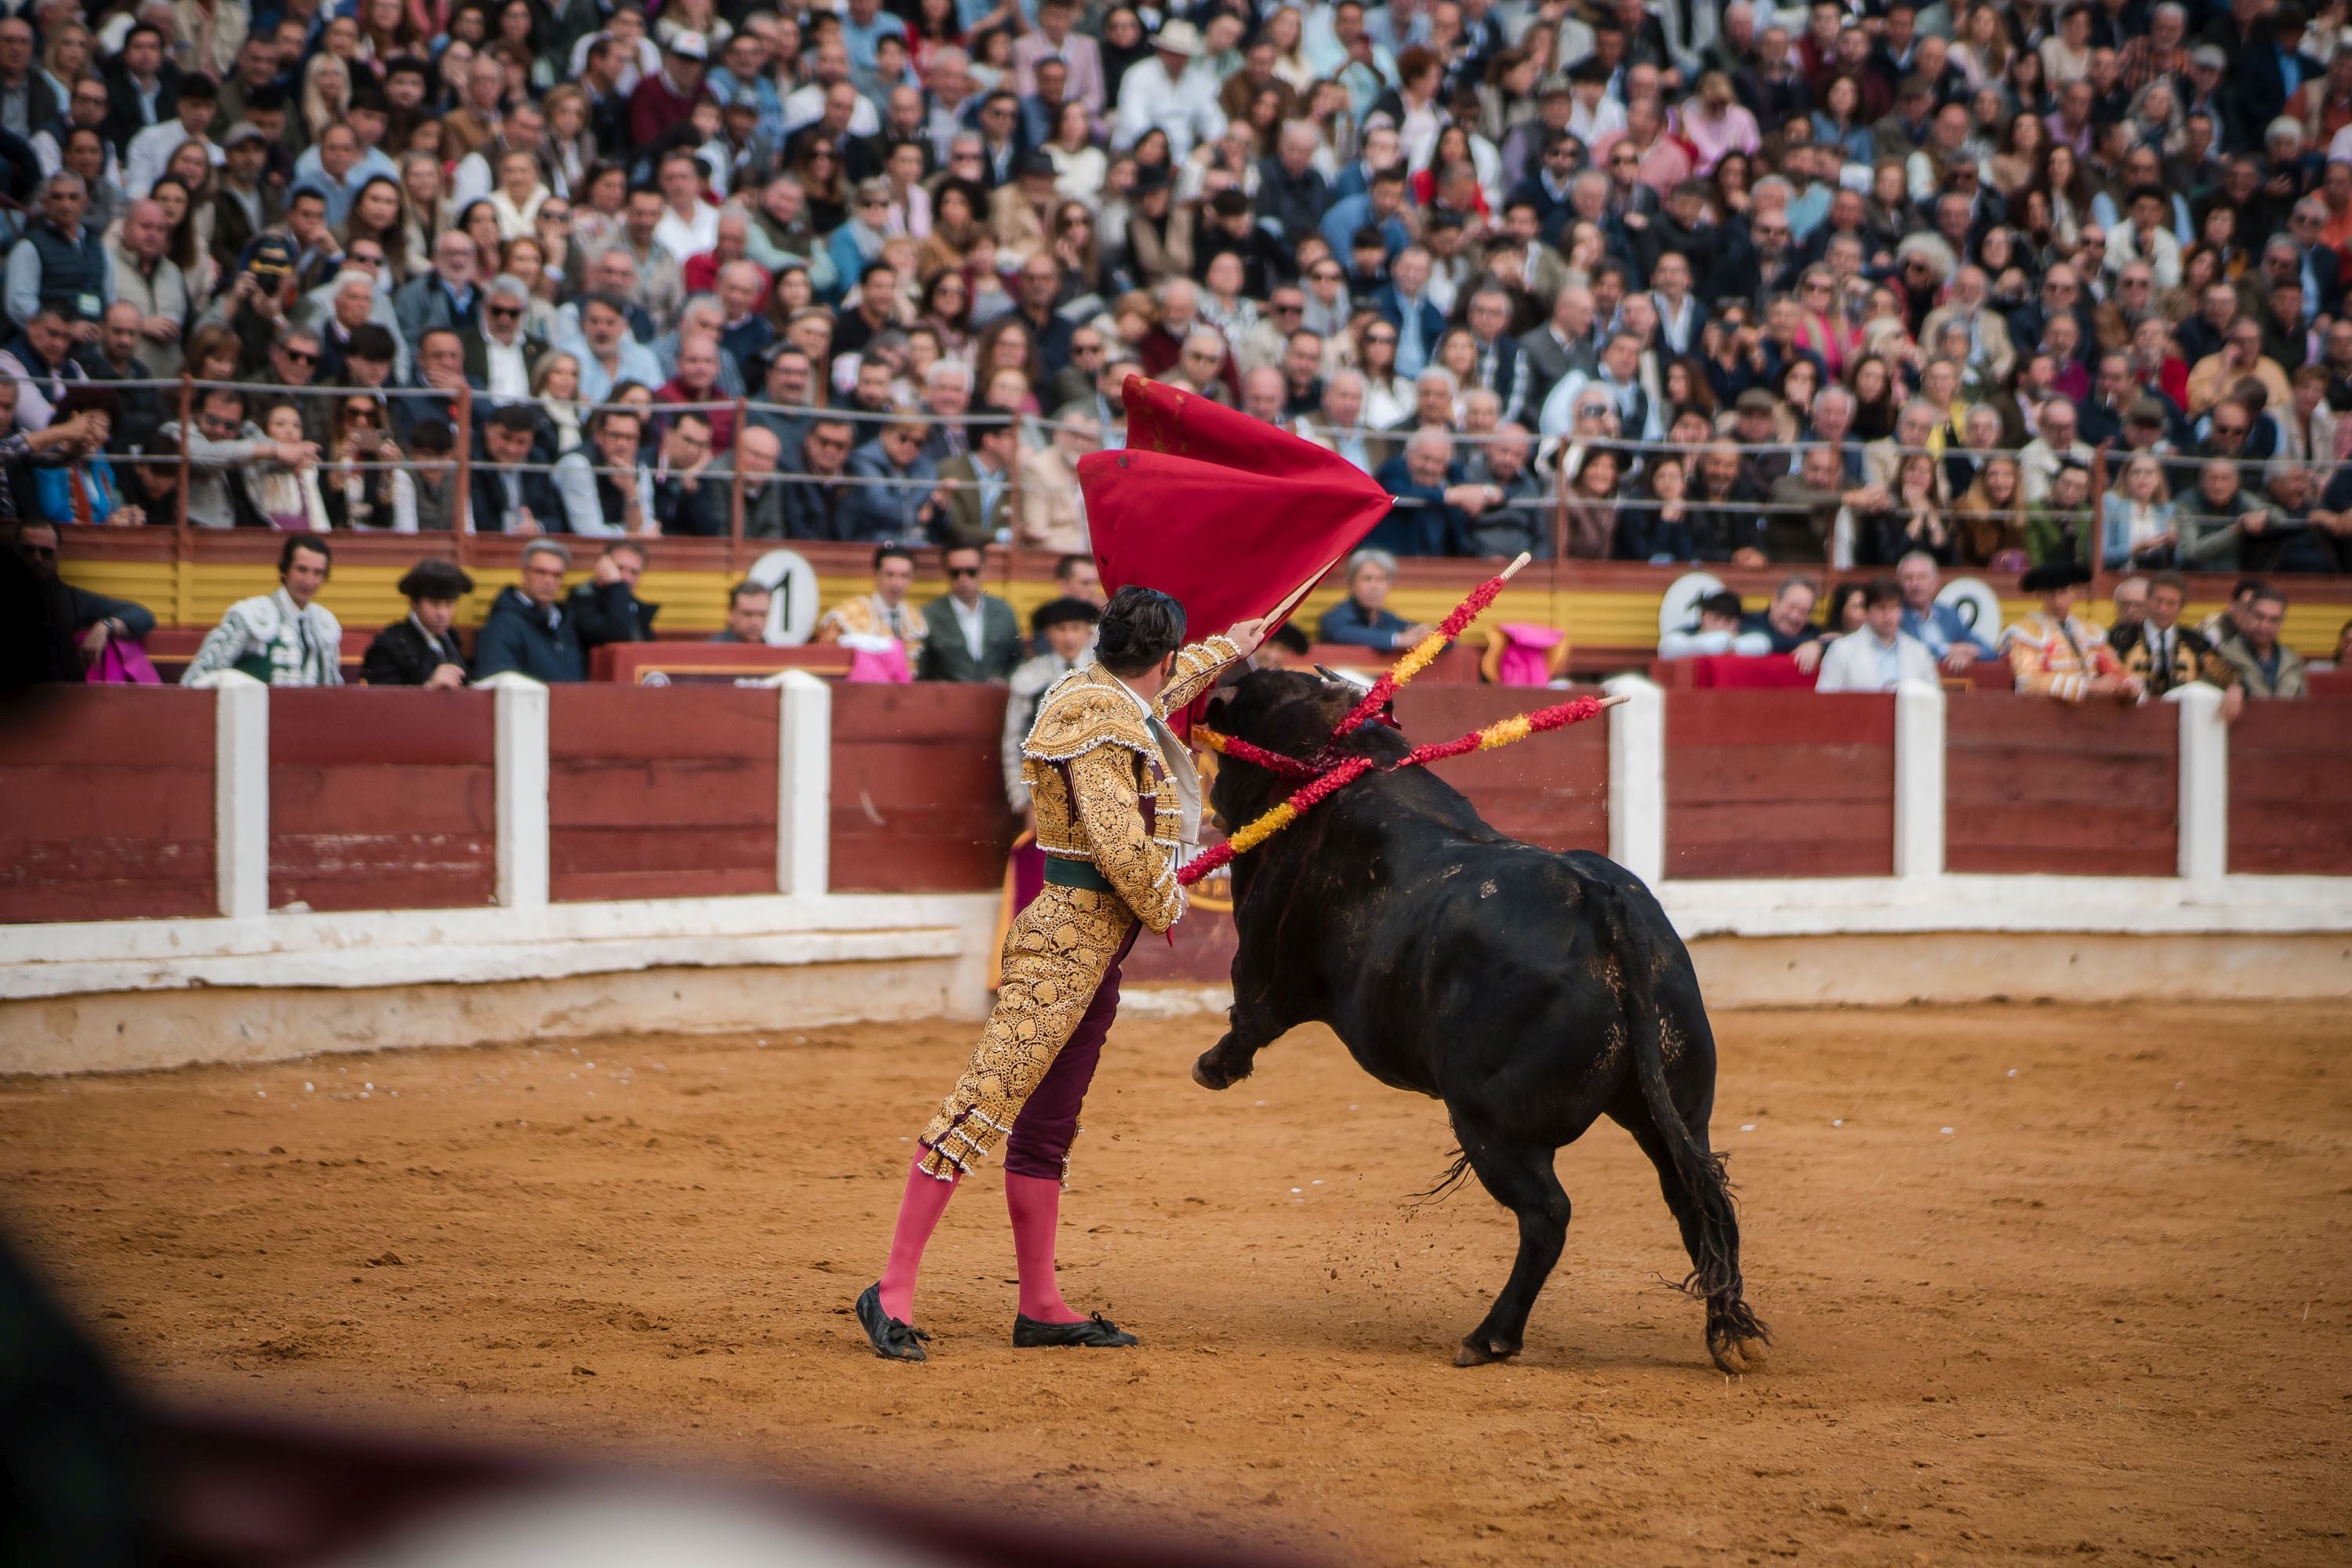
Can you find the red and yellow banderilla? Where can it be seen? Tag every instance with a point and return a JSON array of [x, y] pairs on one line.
[[1331, 780]]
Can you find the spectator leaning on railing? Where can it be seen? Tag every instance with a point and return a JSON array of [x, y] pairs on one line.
[[285, 638], [2267, 666], [76, 624], [1881, 654], [747, 612], [605, 608]]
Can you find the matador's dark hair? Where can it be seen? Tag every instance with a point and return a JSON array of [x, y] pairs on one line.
[[1140, 627]]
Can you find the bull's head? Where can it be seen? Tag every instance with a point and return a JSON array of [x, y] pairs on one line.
[[1285, 710]]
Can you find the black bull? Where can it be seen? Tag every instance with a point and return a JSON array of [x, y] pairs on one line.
[[1532, 992]]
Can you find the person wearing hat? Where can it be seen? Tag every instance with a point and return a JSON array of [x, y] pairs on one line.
[[2203, 92], [1168, 92], [243, 202], [422, 651], [666, 98], [2054, 652]]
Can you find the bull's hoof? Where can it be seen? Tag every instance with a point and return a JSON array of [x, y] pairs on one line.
[[1477, 1350], [1209, 1075], [1738, 1354]]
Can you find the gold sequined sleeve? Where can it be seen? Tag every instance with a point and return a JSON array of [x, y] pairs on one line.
[[1197, 665], [1142, 873]]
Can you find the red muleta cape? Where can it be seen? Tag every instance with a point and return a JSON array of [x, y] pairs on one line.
[[1229, 516]]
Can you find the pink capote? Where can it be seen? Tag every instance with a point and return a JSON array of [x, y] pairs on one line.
[[122, 662]]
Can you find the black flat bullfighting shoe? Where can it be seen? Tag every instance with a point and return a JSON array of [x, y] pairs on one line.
[[1097, 1332], [893, 1340]]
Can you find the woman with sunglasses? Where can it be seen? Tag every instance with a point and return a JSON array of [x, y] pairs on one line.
[[1076, 248], [364, 485], [825, 185], [1329, 308], [1388, 396]]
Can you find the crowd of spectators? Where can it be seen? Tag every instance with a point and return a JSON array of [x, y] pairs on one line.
[[1895, 626], [2001, 282]]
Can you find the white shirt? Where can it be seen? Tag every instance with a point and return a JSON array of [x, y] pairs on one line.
[[1185, 107], [508, 376], [152, 148], [969, 620], [1858, 661], [806, 106], [685, 241]]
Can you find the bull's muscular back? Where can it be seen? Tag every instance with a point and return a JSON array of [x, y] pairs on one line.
[[1439, 949]]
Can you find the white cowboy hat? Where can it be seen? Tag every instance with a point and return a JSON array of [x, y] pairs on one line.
[[1178, 37]]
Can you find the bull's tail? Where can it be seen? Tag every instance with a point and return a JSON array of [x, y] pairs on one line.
[[1711, 1221]]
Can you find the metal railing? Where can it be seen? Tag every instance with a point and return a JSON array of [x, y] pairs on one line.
[[1548, 451]]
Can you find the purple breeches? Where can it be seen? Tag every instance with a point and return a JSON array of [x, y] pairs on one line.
[[1039, 1143]]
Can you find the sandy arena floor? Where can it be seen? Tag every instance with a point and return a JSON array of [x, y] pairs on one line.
[[2046, 1282]]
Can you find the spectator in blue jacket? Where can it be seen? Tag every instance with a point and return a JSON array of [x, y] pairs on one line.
[[1435, 501], [528, 631], [901, 501], [1362, 619], [1956, 644]]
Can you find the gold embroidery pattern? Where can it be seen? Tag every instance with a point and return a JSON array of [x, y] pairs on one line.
[[1091, 761], [1054, 958]]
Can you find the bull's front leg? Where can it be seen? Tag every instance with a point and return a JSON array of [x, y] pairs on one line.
[[1230, 1060]]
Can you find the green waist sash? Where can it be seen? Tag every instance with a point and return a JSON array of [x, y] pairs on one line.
[[1071, 873]]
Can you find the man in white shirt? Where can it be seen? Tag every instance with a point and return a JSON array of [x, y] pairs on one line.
[[1166, 91], [689, 226], [805, 105], [506, 358], [152, 148], [1879, 657]]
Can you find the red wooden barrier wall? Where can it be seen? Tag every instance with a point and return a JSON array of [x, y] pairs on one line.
[[1552, 790], [2288, 766], [382, 798], [2070, 789], [108, 815], [1779, 783], [661, 792], [918, 795]]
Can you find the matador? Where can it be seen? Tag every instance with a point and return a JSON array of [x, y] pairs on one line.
[[1118, 805]]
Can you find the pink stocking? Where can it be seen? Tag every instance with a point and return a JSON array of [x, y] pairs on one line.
[[1035, 1202], [919, 1215]]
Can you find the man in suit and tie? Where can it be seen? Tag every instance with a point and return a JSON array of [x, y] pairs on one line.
[[980, 484], [1502, 368], [970, 634]]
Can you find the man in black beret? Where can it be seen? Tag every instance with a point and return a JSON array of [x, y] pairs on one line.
[[422, 651]]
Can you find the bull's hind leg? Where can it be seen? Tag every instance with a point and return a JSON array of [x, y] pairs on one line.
[[1711, 1236], [1520, 1176]]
